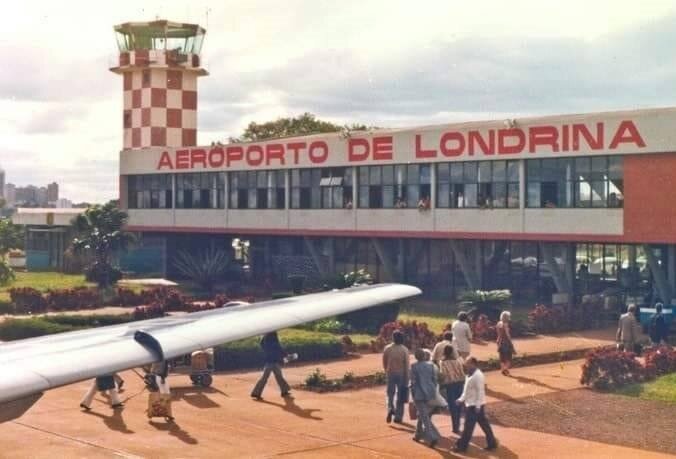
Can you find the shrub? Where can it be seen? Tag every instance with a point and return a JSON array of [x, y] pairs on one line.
[[13, 329], [316, 378], [72, 298], [348, 345], [348, 377], [545, 319], [103, 273], [609, 368], [487, 302], [379, 377], [150, 311], [129, 297], [483, 328], [416, 335], [204, 268], [6, 273], [171, 299], [661, 359], [27, 300], [91, 321], [370, 320], [247, 353]]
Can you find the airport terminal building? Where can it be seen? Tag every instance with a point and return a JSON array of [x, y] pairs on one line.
[[566, 204]]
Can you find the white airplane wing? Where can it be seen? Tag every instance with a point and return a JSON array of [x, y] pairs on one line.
[[31, 366]]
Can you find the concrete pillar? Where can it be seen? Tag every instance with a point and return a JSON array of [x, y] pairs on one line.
[[522, 184], [559, 275], [385, 259], [479, 262], [671, 269], [433, 187], [401, 259], [467, 269], [315, 255], [663, 289], [287, 190]]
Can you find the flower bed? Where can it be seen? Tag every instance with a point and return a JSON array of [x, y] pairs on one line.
[[416, 335], [322, 385], [606, 369], [317, 382]]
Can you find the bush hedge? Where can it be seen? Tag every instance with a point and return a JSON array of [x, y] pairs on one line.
[[370, 320], [247, 353], [14, 329]]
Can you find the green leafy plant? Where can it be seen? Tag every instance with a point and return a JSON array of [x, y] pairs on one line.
[[6, 273], [11, 236], [100, 235], [204, 268], [348, 377], [379, 377], [316, 378], [487, 302]]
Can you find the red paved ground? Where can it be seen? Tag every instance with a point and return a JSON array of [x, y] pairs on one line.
[[225, 422]]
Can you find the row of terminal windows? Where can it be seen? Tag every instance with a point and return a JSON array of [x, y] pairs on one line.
[[550, 183]]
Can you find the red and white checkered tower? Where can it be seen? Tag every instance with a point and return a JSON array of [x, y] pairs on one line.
[[160, 63]]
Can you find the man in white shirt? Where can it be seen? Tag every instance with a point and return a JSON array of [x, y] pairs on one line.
[[462, 335], [474, 398]]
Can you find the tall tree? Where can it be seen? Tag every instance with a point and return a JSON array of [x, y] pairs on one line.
[[100, 234], [304, 124], [11, 236]]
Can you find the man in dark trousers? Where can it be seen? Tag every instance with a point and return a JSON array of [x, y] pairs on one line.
[[474, 398], [659, 330], [274, 358]]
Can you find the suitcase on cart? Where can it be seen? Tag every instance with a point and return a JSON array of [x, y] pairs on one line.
[[159, 406]]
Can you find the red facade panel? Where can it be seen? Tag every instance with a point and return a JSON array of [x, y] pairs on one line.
[[650, 198]]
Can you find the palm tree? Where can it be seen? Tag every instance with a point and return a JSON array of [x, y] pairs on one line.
[[100, 234]]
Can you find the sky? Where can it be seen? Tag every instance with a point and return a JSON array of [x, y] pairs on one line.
[[386, 63]]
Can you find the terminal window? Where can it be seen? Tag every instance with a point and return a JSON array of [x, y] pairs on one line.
[[257, 190], [204, 190], [586, 182], [398, 186], [149, 191], [327, 188], [478, 184]]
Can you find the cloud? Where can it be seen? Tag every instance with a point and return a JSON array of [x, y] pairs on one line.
[[479, 76]]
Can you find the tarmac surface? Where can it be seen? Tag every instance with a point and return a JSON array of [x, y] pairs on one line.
[[223, 421]]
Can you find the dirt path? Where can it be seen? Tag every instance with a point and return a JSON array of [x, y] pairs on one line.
[[589, 415]]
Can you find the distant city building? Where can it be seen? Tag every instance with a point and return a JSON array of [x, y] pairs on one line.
[[53, 192], [10, 194], [63, 203], [2, 183]]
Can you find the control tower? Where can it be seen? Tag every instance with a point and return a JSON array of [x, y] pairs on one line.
[[159, 62]]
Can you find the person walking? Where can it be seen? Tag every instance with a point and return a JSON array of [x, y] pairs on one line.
[[659, 330], [504, 342], [274, 358], [628, 330], [462, 335], [424, 376], [395, 364], [103, 384], [474, 398], [452, 376], [438, 350]]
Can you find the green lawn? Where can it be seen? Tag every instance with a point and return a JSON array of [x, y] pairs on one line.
[[43, 281], [662, 389]]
